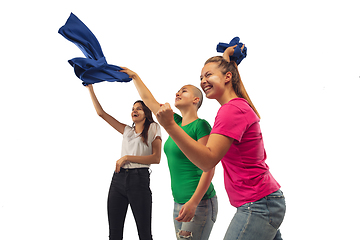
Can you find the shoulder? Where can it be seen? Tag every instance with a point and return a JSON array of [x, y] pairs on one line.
[[154, 128], [202, 123], [234, 118], [177, 118], [235, 105], [237, 108], [128, 129], [201, 128]]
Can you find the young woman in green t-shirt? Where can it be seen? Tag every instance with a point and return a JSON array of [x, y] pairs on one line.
[[194, 195]]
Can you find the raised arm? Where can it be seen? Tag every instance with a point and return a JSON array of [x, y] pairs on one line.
[[143, 91], [100, 111], [205, 157]]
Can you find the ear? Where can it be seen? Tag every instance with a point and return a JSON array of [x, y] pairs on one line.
[[196, 100], [228, 77]]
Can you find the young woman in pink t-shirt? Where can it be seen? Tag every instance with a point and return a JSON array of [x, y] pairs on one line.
[[236, 140]]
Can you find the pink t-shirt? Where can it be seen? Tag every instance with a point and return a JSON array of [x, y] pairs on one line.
[[246, 175]]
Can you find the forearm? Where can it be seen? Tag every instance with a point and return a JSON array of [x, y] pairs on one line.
[[99, 110], [196, 152], [149, 159], [145, 94], [203, 186]]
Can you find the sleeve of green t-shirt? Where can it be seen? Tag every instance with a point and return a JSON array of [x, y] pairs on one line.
[[203, 128], [177, 118]]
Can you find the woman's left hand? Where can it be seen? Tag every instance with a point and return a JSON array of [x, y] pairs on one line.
[[119, 163], [165, 115], [187, 212]]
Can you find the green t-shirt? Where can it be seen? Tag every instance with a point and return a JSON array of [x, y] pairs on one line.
[[185, 176]]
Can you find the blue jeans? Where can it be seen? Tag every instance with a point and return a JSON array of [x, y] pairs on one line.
[[258, 220], [201, 224]]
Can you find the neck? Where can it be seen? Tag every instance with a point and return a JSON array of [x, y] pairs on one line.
[[139, 126], [227, 96], [188, 115]]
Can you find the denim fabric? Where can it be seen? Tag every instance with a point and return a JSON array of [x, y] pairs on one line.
[[258, 220], [201, 224], [130, 186]]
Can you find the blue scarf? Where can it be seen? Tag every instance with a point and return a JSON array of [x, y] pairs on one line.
[[93, 68]]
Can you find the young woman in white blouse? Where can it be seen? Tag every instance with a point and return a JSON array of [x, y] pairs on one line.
[[141, 146]]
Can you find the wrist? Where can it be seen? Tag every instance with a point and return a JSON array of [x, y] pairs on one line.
[[194, 202], [135, 77], [171, 126]]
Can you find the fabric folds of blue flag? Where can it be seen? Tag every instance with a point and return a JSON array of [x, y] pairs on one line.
[[93, 68], [238, 55]]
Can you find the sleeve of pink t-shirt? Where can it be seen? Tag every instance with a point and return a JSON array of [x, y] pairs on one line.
[[231, 121]]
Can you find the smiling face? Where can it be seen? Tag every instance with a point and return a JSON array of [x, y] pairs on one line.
[[213, 80], [137, 113]]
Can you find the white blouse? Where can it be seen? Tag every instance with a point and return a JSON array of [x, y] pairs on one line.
[[133, 144]]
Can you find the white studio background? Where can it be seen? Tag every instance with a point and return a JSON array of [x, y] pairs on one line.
[[57, 156]]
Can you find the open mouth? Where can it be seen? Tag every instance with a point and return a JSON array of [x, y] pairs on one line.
[[206, 89], [135, 115]]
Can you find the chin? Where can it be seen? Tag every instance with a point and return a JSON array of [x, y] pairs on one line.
[[208, 95]]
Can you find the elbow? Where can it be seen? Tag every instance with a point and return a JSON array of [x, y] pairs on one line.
[[206, 169], [100, 113], [208, 166], [157, 159], [210, 172]]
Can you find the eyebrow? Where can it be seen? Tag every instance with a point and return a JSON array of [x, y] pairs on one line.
[[183, 88], [201, 76]]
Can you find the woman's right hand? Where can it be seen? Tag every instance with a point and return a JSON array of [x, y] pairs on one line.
[[131, 74], [89, 86], [230, 51]]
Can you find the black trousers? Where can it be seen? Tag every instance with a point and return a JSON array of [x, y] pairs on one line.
[[130, 186]]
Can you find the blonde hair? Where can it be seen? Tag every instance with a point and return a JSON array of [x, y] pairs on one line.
[[236, 82]]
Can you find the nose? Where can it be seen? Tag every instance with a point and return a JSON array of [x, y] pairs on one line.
[[203, 81], [177, 94]]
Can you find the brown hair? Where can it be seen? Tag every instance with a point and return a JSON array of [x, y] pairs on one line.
[[148, 120], [236, 82]]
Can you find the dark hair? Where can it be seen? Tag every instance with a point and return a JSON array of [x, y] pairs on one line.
[[148, 120], [236, 82]]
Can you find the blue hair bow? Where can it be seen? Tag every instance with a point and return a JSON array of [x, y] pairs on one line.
[[238, 55], [93, 68]]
